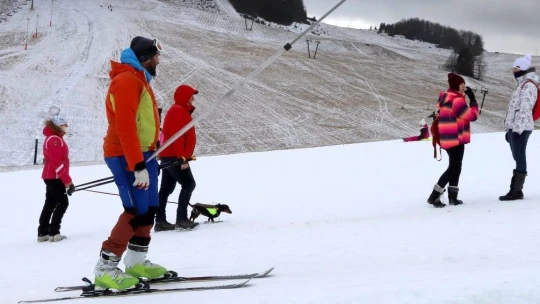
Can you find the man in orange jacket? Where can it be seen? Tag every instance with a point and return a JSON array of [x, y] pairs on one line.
[[178, 116], [133, 129]]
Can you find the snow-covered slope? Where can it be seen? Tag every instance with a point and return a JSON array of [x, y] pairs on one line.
[[343, 224], [362, 87]]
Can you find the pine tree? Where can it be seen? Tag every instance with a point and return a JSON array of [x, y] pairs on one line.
[[283, 12], [381, 28], [465, 62], [478, 46]]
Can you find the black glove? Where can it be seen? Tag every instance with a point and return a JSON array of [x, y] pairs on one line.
[[70, 189], [507, 136], [469, 92], [140, 166]]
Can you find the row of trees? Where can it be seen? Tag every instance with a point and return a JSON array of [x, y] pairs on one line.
[[467, 46], [442, 36], [283, 12], [466, 64]]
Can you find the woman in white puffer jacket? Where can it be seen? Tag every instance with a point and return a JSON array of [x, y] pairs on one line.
[[519, 122]]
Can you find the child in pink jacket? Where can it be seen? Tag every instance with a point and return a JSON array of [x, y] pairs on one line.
[[57, 180]]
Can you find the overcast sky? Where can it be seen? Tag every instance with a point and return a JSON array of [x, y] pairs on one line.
[[511, 26]]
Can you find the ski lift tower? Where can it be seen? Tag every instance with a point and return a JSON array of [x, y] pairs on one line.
[[249, 27], [316, 48]]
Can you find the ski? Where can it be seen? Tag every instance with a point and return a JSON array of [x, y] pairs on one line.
[[176, 279], [136, 291], [172, 277]]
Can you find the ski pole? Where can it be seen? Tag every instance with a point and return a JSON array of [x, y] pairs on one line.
[[94, 185], [96, 181], [242, 83], [115, 194], [110, 179]]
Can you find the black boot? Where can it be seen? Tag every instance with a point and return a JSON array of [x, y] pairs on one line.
[[163, 226], [435, 197], [452, 196], [185, 225], [516, 187]]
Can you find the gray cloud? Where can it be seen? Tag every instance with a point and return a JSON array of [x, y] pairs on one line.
[[506, 25]]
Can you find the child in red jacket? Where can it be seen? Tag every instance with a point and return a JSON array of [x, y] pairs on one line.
[[178, 116], [424, 133], [56, 177]]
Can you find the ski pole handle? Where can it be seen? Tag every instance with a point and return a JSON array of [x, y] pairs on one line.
[[177, 162]]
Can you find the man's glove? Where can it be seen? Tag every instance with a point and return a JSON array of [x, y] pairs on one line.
[[142, 180], [70, 189], [469, 92]]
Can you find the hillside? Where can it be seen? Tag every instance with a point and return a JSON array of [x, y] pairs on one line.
[[361, 87]]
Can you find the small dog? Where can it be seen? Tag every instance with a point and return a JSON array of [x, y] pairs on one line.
[[210, 211]]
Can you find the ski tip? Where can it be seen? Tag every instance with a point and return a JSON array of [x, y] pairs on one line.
[[241, 284], [266, 273]]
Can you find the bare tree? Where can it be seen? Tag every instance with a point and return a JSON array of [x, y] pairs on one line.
[[480, 67], [451, 63], [468, 37]]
